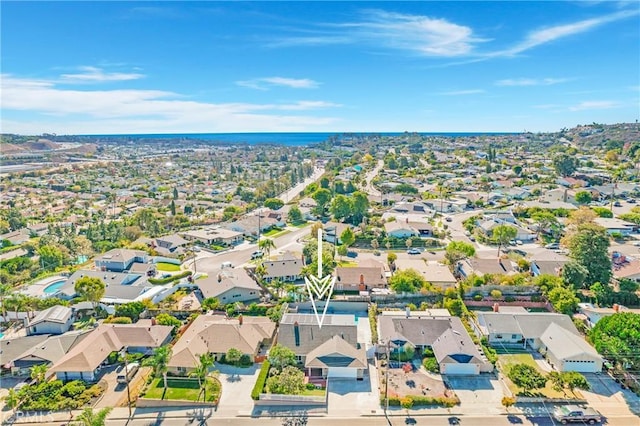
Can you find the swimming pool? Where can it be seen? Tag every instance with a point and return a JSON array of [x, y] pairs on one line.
[[1, 336], [54, 286]]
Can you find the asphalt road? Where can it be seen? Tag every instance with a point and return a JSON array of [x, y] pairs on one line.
[[395, 420]]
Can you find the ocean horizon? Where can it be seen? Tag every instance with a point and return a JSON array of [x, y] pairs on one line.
[[285, 138]]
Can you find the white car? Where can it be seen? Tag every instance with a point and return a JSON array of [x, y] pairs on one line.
[[636, 243]]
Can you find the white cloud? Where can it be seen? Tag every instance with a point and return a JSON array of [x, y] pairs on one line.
[[421, 34], [590, 105], [97, 75], [59, 110], [462, 92], [530, 81], [550, 34], [266, 82]]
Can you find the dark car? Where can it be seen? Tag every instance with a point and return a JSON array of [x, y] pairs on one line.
[[352, 254], [617, 204]]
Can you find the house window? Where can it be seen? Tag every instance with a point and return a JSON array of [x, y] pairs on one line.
[[514, 336], [296, 334], [498, 336]]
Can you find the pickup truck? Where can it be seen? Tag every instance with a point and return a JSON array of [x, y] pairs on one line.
[[576, 413]]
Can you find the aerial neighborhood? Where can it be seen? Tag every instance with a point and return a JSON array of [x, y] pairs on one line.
[[471, 273]]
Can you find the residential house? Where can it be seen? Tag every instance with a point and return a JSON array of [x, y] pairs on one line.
[[400, 229], [170, 245], [16, 237], [445, 335], [318, 350], [369, 274], [567, 351], [84, 360], [519, 327], [626, 269], [286, 268], [615, 225], [216, 334], [214, 235], [439, 275], [248, 226], [120, 260], [468, 267], [595, 313], [333, 230], [54, 320], [46, 350], [230, 285]]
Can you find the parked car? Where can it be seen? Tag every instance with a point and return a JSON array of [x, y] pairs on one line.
[[519, 242], [128, 372], [552, 246], [617, 204], [257, 254], [631, 201], [413, 251], [576, 413], [352, 254], [448, 219]]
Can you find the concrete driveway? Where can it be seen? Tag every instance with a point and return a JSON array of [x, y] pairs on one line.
[[237, 384], [477, 393], [348, 397], [608, 397]]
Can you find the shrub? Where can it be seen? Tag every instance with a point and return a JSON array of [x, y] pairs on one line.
[[118, 320], [394, 401], [245, 361], [431, 364], [310, 386], [262, 378], [509, 299], [477, 297], [428, 352]]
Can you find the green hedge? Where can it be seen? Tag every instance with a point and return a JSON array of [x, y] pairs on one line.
[[161, 281], [262, 378], [394, 401]]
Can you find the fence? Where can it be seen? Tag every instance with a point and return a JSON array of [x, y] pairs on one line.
[[275, 399]]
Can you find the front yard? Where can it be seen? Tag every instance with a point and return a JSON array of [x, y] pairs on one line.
[[417, 384], [506, 361], [183, 390]]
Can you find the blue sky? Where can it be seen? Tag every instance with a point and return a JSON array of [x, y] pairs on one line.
[[200, 67]]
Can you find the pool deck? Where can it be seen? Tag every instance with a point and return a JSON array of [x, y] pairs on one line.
[[37, 289]]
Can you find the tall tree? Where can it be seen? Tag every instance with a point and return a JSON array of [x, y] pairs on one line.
[[267, 244], [589, 247], [201, 371], [160, 362], [347, 237], [565, 164], [322, 197], [502, 234], [89, 417], [91, 289], [38, 373], [233, 356], [458, 250], [281, 357]]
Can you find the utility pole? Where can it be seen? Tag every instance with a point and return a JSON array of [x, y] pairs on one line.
[[386, 380], [126, 376]]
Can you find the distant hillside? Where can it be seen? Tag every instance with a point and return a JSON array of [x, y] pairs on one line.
[[32, 145], [603, 135]]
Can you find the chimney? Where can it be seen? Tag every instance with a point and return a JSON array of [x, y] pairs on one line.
[[153, 321], [496, 307], [616, 307], [407, 312], [362, 279], [239, 319], [219, 277], [406, 220]]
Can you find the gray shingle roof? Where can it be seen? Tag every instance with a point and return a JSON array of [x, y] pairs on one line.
[[336, 352], [58, 314], [311, 336], [564, 344], [531, 324]]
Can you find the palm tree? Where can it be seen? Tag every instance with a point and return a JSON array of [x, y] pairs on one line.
[[91, 418], [18, 302], [202, 371], [38, 372], [261, 271], [5, 290], [267, 244], [159, 361]]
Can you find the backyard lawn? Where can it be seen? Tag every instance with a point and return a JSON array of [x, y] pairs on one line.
[[182, 389], [314, 392], [506, 361], [167, 267]]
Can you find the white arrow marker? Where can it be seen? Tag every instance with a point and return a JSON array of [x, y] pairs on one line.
[[320, 286]]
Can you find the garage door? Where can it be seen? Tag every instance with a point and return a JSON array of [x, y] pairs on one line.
[[343, 372], [460, 369], [581, 366]]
